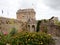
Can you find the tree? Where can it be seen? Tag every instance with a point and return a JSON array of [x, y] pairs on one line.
[[38, 26]]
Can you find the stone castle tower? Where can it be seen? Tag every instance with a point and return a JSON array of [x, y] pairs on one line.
[[26, 14]]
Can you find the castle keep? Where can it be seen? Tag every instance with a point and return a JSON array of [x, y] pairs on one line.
[[27, 16]]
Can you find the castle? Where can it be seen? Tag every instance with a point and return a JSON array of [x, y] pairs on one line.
[[27, 16], [26, 21]]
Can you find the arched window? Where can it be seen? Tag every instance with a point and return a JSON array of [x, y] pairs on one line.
[[33, 27], [28, 27]]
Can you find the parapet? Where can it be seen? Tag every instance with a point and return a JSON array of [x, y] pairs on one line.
[[25, 11]]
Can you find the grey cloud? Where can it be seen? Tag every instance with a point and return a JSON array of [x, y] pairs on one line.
[[55, 4], [28, 3]]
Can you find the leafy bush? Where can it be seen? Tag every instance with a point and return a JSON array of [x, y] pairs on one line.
[[38, 26], [13, 31], [27, 38]]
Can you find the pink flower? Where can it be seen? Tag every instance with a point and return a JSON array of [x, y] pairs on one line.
[[5, 32]]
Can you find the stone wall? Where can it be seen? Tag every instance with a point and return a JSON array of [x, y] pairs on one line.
[[7, 24], [50, 27]]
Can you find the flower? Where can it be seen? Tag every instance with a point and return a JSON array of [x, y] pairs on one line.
[[7, 44], [49, 34], [28, 39], [5, 32]]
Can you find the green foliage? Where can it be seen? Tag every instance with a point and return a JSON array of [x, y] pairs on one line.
[[45, 20], [57, 23], [27, 38], [1, 33], [11, 21], [38, 26], [13, 31]]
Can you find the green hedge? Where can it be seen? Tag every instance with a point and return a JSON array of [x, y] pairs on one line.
[[27, 38]]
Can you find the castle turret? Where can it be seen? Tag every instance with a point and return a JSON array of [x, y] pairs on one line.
[[25, 14]]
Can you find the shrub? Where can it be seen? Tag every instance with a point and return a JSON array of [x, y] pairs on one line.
[[13, 31], [27, 38]]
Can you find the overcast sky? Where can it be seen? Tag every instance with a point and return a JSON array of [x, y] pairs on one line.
[[45, 9]]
